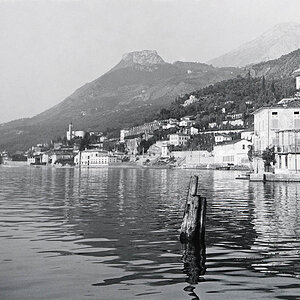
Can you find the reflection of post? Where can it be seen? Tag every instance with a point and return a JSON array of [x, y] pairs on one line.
[[194, 258], [192, 233]]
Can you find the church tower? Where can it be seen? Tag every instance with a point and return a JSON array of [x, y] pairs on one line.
[[70, 132]]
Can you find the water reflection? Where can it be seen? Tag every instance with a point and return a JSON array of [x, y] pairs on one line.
[[277, 228], [118, 229]]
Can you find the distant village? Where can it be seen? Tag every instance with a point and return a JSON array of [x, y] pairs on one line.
[[270, 144]]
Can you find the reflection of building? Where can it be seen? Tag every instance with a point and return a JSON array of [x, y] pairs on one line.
[[275, 222], [235, 152]]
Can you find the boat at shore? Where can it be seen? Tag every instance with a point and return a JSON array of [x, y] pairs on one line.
[[244, 176]]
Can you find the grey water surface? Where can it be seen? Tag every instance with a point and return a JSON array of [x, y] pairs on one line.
[[112, 233]]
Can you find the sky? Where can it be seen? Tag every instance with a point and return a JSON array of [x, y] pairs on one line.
[[49, 48]]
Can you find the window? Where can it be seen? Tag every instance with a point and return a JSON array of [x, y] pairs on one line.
[[274, 120], [229, 158], [274, 124], [296, 120]]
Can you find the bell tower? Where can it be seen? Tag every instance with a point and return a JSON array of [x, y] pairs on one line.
[[70, 132]]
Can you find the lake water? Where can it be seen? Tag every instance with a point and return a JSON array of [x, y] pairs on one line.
[[113, 234]]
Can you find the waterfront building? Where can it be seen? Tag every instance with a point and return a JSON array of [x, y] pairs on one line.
[[193, 159], [287, 151], [269, 120], [232, 153], [278, 127], [61, 156], [95, 158], [34, 159]]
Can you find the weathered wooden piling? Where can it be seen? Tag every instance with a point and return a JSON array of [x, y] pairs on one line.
[[192, 233], [193, 224]]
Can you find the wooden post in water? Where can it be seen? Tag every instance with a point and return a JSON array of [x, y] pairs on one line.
[[192, 233]]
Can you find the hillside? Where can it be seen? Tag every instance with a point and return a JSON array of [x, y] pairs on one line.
[[136, 89], [279, 40], [141, 83], [239, 95]]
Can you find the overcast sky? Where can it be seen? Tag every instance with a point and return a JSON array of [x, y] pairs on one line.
[[50, 48]]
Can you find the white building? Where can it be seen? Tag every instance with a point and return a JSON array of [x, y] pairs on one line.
[[247, 135], [232, 153], [123, 134], [95, 158], [269, 120], [74, 133], [279, 127], [186, 121], [178, 139], [34, 160], [165, 152], [222, 138], [212, 125], [190, 101], [194, 130], [287, 151]]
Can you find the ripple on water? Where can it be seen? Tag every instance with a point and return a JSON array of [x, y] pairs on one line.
[[118, 229]]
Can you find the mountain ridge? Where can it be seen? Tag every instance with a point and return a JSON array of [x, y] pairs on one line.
[[281, 39]]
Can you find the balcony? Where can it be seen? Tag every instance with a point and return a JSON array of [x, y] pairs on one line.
[[287, 149]]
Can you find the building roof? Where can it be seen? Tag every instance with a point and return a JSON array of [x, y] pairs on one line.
[[296, 72], [232, 142], [95, 150], [282, 104]]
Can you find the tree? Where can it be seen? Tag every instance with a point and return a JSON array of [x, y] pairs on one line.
[[84, 143], [268, 157], [263, 84]]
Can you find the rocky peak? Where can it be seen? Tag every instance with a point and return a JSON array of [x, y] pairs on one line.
[[144, 58]]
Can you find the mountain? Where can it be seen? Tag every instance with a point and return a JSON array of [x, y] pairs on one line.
[[279, 40], [141, 83], [277, 68]]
